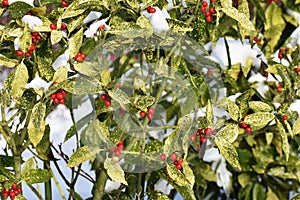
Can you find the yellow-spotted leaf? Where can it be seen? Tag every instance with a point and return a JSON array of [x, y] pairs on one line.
[[81, 155], [105, 77], [75, 43], [284, 139], [119, 96], [296, 127], [259, 120], [260, 106], [209, 113], [19, 80], [188, 172], [230, 132], [36, 176], [36, 126], [60, 75], [233, 110], [177, 176], [228, 151], [7, 62], [114, 171], [56, 36], [25, 39]]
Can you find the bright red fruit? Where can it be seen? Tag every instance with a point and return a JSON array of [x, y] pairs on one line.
[[173, 157], [64, 3], [248, 129], [63, 26], [151, 111], [280, 55], [163, 156], [193, 138], [53, 26], [108, 103], [297, 69], [19, 53], [204, 4], [142, 114], [284, 117], [150, 116], [5, 3], [151, 10]]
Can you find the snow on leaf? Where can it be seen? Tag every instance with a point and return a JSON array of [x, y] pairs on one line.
[[114, 171]]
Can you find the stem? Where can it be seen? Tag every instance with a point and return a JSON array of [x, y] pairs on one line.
[[35, 192], [99, 186], [18, 163], [56, 182], [48, 189]]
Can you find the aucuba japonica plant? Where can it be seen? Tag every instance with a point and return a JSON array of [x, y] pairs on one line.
[[201, 97]]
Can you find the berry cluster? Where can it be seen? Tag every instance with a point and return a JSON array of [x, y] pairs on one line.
[[282, 52], [150, 112], [14, 191], [59, 96], [151, 9], [28, 53], [245, 126], [35, 36], [99, 29], [203, 133], [64, 3], [208, 11], [80, 57], [5, 3], [297, 70], [117, 150], [256, 39], [105, 97], [174, 158], [279, 88]]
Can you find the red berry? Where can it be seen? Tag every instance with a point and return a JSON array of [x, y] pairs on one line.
[[19, 53], [280, 49], [284, 117], [34, 40], [27, 54], [151, 10], [279, 89], [5, 190], [35, 33], [178, 167], [79, 59], [64, 3], [286, 49], [180, 162], [149, 116], [64, 93], [5, 194], [163, 156], [202, 139], [248, 129], [61, 101], [118, 86], [103, 97], [108, 103], [12, 195], [207, 131], [5, 3], [83, 56], [142, 114], [55, 101], [38, 37], [29, 13], [120, 146], [53, 26], [280, 55], [32, 47], [208, 19], [19, 190], [212, 10], [118, 152], [209, 72], [203, 9], [243, 125], [16, 192], [204, 4], [297, 69], [63, 26], [101, 27], [207, 13], [277, 85], [193, 138], [173, 157], [59, 96], [151, 111]]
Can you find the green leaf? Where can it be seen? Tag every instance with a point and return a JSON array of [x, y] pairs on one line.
[[44, 144], [147, 3], [81, 86], [36, 126], [296, 127], [119, 96], [45, 69], [36, 176], [142, 102], [158, 195], [3, 178], [260, 106], [178, 177], [233, 110], [230, 132], [284, 139], [20, 197], [269, 137], [188, 172], [105, 77], [29, 165], [39, 11], [209, 113], [273, 68], [7, 62], [271, 195], [72, 131], [81, 155], [114, 171], [56, 36], [75, 43], [258, 192], [19, 81], [25, 39], [259, 120], [18, 9], [179, 26], [228, 151], [60, 75], [232, 12], [296, 197], [69, 12], [234, 71]]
